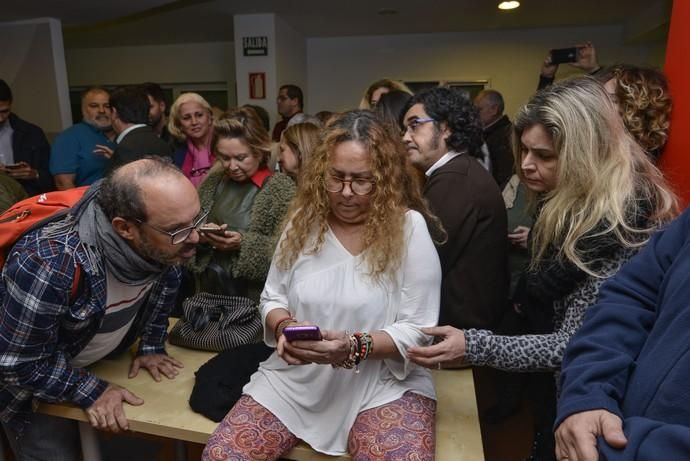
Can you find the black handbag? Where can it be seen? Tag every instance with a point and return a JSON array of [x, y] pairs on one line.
[[214, 322]]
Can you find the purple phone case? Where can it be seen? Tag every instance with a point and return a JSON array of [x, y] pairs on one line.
[[302, 332]]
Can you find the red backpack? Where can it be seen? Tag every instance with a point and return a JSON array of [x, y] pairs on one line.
[[34, 212]]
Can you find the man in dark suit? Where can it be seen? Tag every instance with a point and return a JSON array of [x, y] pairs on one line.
[[443, 137], [497, 134], [135, 138], [24, 149]]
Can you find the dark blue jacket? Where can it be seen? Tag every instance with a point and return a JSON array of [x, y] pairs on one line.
[[29, 144], [632, 354]]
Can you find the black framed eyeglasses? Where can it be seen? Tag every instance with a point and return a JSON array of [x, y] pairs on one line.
[[359, 186], [414, 124], [181, 235]]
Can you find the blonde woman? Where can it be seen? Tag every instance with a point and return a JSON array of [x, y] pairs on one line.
[[356, 260], [378, 88], [190, 123], [297, 144], [598, 198]]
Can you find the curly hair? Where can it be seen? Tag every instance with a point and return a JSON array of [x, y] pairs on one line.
[[392, 196], [453, 107], [392, 85], [606, 185], [644, 103], [174, 122], [243, 123]]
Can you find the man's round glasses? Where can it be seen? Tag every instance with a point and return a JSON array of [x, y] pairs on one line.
[[180, 235], [414, 124], [358, 186]]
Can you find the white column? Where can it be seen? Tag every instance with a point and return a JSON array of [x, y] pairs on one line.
[[285, 60]]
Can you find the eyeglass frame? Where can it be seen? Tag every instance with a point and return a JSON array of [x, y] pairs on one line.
[[349, 182], [414, 124], [195, 226]]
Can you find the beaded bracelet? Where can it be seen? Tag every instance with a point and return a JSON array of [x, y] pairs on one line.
[[361, 345], [365, 345], [351, 360]]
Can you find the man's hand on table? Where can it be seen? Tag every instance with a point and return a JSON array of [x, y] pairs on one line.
[[156, 364], [107, 413]]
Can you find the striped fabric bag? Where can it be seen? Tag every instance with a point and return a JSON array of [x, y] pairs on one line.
[[217, 323]]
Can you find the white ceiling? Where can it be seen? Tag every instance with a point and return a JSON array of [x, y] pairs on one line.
[[102, 23]]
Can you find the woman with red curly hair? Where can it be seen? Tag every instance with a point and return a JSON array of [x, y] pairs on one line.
[[644, 103]]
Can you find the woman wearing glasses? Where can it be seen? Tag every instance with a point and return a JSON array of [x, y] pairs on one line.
[[191, 122], [246, 204], [356, 260]]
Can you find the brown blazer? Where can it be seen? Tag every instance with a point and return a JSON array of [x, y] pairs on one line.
[[467, 200]]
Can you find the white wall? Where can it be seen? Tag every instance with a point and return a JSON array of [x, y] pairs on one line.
[[291, 56], [339, 69], [164, 64], [33, 65]]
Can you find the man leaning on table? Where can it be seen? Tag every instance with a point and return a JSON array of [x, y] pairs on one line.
[[122, 244]]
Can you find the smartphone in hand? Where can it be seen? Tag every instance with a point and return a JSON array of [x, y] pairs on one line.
[[206, 229], [563, 55], [302, 332]]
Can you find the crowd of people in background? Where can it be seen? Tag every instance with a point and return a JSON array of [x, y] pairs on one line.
[[418, 231]]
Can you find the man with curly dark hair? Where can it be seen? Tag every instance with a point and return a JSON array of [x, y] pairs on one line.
[[443, 136]]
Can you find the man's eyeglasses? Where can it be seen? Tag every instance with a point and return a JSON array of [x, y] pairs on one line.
[[180, 235], [414, 124], [358, 186]]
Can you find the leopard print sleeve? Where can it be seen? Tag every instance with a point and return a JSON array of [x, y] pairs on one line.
[[531, 353]]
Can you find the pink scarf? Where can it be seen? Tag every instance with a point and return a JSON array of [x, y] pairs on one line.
[[197, 163]]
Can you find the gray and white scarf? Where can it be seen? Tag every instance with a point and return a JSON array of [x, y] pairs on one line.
[[102, 243]]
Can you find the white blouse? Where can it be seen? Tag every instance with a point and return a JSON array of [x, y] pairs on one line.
[[331, 289]]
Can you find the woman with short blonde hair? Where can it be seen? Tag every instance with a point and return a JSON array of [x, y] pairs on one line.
[[190, 122]]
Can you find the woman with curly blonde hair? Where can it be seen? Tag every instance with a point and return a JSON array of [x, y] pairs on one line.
[[378, 88], [356, 260], [598, 197], [644, 103]]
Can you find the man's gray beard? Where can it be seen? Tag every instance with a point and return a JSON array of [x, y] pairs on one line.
[[104, 129]]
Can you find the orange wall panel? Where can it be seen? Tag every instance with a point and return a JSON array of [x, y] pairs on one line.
[[675, 161]]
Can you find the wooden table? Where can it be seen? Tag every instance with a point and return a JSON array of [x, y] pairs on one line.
[[166, 411]]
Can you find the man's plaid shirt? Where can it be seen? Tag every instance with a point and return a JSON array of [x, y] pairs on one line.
[[41, 329]]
